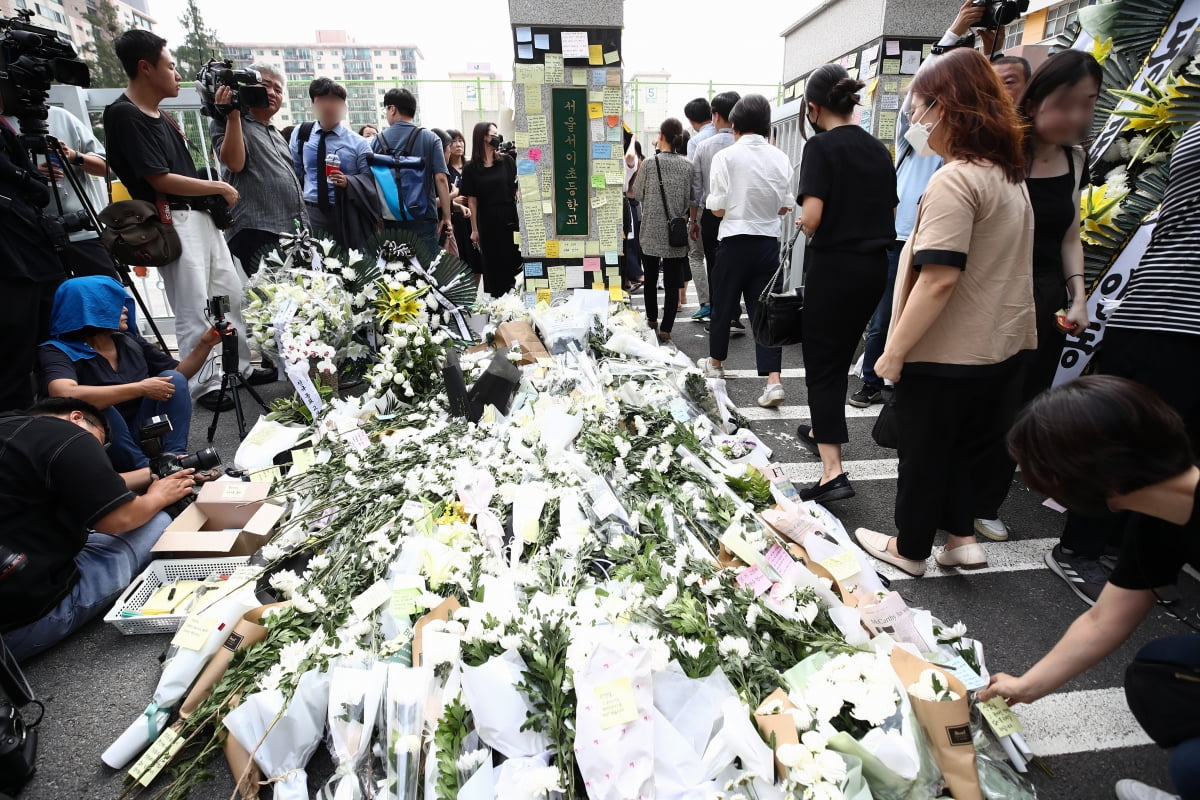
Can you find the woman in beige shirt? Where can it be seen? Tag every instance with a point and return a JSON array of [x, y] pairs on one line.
[[963, 315]]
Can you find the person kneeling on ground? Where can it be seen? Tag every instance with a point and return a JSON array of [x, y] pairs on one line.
[[97, 357], [73, 533], [1106, 443]]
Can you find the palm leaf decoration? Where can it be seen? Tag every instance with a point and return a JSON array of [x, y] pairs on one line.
[[451, 274], [1163, 113], [1109, 230]]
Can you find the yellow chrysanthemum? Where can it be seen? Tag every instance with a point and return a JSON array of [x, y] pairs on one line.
[[454, 513], [1099, 208], [1101, 49], [399, 305]]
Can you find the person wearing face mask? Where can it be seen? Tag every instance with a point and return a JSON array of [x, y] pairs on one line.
[[1129, 452], [1057, 110], [963, 318], [460, 219], [489, 183], [847, 209]]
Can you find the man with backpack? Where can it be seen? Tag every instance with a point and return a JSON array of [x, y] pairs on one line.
[[324, 153], [421, 178]]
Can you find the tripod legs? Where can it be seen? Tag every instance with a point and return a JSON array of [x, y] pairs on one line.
[[231, 382]]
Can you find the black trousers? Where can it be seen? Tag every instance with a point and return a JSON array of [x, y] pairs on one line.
[[24, 324], [1165, 363], [952, 442], [88, 257], [1040, 368], [672, 273], [744, 266], [841, 291], [710, 229], [246, 244]]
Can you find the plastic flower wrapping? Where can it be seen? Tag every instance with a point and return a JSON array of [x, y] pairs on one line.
[[596, 584]]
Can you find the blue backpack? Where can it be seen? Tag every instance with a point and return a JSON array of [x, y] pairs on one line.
[[403, 182]]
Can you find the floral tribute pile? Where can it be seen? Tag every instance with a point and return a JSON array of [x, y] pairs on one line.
[[602, 589]]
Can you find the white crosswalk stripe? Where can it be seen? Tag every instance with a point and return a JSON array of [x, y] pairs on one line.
[[872, 469], [1080, 721], [754, 413], [1012, 556]]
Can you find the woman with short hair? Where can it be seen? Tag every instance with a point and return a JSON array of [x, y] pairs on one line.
[[963, 320]]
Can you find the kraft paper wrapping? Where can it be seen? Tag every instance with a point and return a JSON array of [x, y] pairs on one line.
[[247, 632], [946, 726], [781, 726]]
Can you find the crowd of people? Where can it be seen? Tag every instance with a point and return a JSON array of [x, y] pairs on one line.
[[959, 259]]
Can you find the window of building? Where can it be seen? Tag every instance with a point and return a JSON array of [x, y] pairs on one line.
[[274, 52], [394, 66], [378, 52], [262, 52], [1062, 15], [1014, 34], [391, 52], [379, 66]]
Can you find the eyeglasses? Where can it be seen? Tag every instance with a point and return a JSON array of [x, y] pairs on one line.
[[94, 426]]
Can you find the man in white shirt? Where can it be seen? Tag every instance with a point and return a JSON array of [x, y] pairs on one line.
[[704, 224], [749, 190], [699, 116]]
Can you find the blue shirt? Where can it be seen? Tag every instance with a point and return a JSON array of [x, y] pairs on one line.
[[699, 136], [351, 148], [911, 179]]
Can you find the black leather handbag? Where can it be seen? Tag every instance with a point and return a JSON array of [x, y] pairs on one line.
[[677, 227], [777, 320]]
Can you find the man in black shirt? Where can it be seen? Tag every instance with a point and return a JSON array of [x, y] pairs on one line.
[[73, 533], [1105, 443], [149, 152]]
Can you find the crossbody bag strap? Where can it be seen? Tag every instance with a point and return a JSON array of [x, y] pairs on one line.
[[14, 683], [662, 189]]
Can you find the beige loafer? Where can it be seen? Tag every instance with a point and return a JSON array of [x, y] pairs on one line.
[[876, 545], [967, 556]]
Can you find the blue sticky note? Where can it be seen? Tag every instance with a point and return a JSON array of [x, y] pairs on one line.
[[526, 166], [533, 269], [599, 77], [601, 150], [614, 134], [524, 51], [524, 34], [610, 258], [531, 300], [541, 41]]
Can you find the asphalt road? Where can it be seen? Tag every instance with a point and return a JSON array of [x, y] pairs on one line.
[[99, 681]]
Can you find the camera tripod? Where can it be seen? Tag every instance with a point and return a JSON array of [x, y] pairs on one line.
[[48, 144], [231, 379]]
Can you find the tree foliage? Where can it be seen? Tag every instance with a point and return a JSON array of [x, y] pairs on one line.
[[199, 44], [100, 53]]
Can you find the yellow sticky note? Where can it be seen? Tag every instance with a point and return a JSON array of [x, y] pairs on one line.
[[842, 566], [521, 139], [1002, 719], [579, 77], [615, 293], [596, 54], [517, 237], [547, 207], [194, 633], [599, 286], [551, 248], [146, 769], [595, 110], [533, 99], [302, 460], [617, 703], [404, 602], [543, 296], [612, 57], [268, 475]]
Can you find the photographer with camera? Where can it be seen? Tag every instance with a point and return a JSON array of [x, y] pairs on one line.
[[83, 254], [73, 531], [149, 153], [95, 355], [256, 162], [402, 136]]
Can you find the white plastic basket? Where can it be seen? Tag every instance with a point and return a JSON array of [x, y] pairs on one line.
[[158, 574]]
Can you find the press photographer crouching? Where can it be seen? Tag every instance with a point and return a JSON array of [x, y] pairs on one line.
[[1105, 443], [95, 355], [73, 531]]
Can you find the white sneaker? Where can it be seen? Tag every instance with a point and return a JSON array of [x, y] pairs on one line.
[[772, 396], [1136, 790], [710, 371], [992, 529]]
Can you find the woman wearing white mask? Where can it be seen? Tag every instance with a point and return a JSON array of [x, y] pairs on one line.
[[963, 315]]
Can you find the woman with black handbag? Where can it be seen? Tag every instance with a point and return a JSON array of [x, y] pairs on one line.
[[848, 200], [489, 182], [662, 188], [749, 188]]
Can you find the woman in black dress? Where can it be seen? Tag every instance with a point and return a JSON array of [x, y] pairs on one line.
[[489, 183], [848, 200], [456, 162]]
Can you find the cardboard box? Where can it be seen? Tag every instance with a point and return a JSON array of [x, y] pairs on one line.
[[229, 518], [522, 332]]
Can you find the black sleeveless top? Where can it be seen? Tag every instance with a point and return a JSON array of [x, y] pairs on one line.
[[1054, 212]]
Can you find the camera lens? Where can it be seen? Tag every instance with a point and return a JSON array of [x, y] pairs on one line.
[[201, 460], [10, 561]]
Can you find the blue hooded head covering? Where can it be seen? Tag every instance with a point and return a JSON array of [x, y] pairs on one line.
[[94, 301]]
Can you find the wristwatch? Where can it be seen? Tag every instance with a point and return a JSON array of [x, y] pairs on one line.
[[78, 159]]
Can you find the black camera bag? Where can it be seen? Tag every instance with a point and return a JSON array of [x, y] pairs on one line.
[[1165, 700], [18, 737], [135, 235]]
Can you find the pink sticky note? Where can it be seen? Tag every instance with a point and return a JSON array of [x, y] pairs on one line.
[[753, 578], [779, 559], [535, 153], [591, 264]]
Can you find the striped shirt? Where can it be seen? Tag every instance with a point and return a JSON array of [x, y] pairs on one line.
[[1164, 290]]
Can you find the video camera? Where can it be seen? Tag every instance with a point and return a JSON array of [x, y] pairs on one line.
[[1000, 12], [32, 58], [217, 307], [507, 148], [247, 93], [163, 463]]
